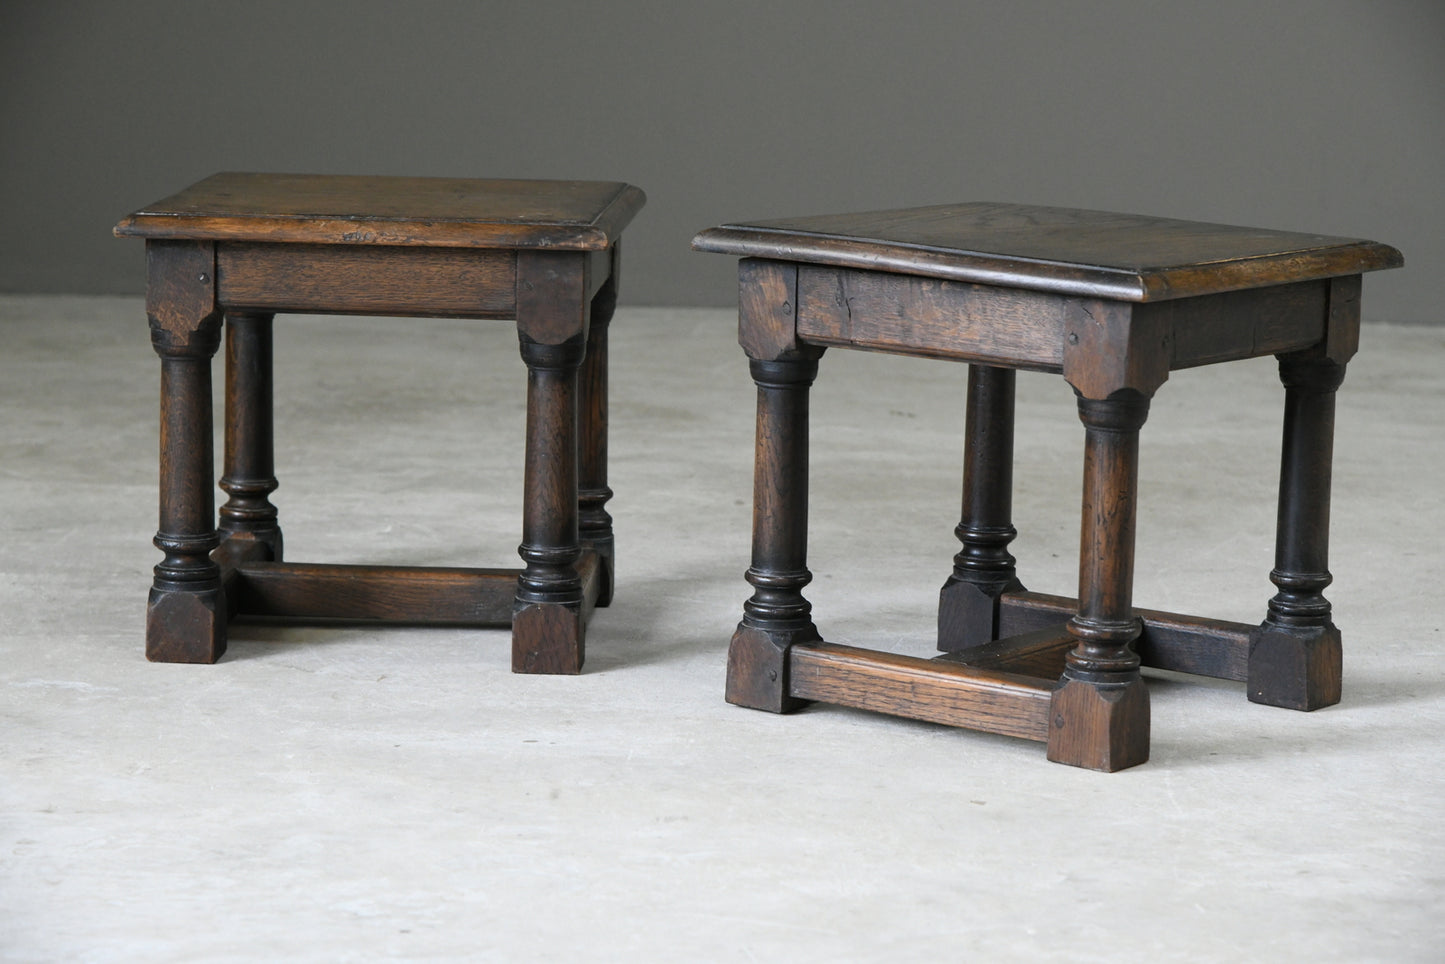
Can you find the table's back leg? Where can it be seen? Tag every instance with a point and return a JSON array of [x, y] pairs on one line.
[[983, 570], [594, 521], [249, 526], [1295, 655], [1100, 712]]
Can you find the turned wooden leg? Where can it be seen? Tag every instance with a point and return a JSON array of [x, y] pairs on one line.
[[249, 528], [777, 615], [595, 523], [186, 617], [983, 570], [1100, 711], [1295, 655], [547, 625]]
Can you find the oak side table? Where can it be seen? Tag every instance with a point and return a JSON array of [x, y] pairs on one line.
[[1113, 302], [241, 247]]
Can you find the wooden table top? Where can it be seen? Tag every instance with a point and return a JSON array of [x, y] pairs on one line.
[[1124, 257], [347, 209]]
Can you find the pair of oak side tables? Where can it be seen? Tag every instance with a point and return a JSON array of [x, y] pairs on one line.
[[1112, 302]]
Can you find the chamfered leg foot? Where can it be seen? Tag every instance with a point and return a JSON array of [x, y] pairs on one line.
[[185, 627], [548, 638], [1099, 727], [1295, 668], [758, 669], [968, 613]]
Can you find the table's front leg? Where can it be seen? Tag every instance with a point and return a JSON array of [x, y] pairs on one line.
[[548, 625], [186, 615], [777, 615], [1100, 712]]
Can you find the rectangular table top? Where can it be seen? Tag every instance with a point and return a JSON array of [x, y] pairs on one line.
[[1125, 257], [350, 209]]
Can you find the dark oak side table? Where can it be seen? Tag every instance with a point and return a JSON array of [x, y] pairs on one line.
[[1113, 302], [241, 247]]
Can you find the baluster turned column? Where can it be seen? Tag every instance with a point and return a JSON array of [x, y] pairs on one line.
[[1100, 712], [984, 569], [248, 521], [1295, 656], [777, 615], [594, 521], [547, 627], [185, 616]]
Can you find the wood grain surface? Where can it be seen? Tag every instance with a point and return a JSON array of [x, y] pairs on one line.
[[1128, 257], [350, 209]]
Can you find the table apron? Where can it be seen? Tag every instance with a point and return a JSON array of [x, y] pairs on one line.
[[1021, 328], [931, 317], [378, 279]]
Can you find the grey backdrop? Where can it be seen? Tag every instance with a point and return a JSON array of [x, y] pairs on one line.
[[1315, 115]]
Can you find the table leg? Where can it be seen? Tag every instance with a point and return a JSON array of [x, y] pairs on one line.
[[248, 521], [777, 615], [186, 614], [983, 570], [1100, 712], [594, 521], [1295, 655], [547, 626]]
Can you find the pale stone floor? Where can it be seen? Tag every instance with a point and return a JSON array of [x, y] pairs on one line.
[[348, 794]]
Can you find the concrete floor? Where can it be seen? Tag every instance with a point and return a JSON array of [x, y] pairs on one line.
[[358, 794]]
